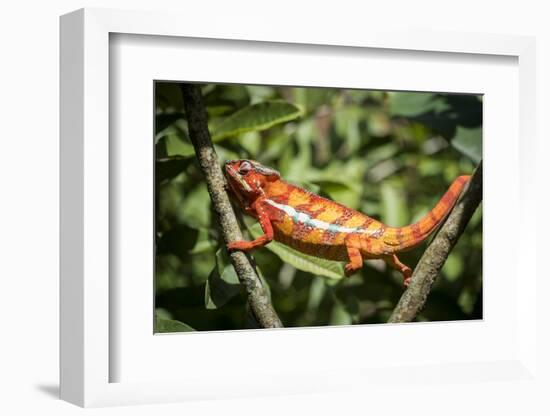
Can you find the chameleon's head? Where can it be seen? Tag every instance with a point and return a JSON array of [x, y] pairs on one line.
[[248, 178]]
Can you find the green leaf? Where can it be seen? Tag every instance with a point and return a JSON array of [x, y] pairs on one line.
[[312, 98], [175, 146], [204, 242], [170, 325], [173, 155], [340, 191], [164, 120], [259, 93], [380, 154], [170, 167], [301, 261], [256, 117], [295, 162], [411, 104], [225, 268], [308, 186], [467, 299], [264, 282], [379, 124], [251, 142], [340, 315], [468, 142], [222, 283], [316, 293], [394, 208], [195, 209], [453, 266], [346, 125], [219, 110], [226, 95]]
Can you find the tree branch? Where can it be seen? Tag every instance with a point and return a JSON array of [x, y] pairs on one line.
[[258, 298], [414, 298]]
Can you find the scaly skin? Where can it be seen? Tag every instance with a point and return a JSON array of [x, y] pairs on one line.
[[323, 228]]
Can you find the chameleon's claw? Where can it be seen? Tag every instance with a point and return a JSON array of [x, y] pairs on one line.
[[407, 276], [242, 245], [234, 245], [349, 270], [355, 260]]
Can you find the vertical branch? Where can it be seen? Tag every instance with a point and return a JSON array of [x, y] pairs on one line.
[[414, 298], [258, 299]]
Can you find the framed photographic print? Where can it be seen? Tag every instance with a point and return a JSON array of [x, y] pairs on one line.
[[273, 208]]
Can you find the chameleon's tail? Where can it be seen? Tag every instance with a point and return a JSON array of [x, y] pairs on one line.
[[402, 238]]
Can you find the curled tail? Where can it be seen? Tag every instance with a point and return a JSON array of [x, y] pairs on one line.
[[402, 238]]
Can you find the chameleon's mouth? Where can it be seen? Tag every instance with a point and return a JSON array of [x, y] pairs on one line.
[[235, 177]]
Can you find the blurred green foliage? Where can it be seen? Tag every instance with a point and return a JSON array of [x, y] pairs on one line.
[[390, 155]]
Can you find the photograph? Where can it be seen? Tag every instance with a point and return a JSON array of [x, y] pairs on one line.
[[292, 206]]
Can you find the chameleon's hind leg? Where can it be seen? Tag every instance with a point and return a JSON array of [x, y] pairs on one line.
[[355, 260], [405, 270]]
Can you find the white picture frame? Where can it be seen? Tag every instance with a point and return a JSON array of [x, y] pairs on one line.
[[87, 356]]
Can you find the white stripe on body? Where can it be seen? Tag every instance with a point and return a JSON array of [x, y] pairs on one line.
[[303, 218]]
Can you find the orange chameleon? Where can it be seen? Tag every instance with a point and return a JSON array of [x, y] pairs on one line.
[[323, 228]]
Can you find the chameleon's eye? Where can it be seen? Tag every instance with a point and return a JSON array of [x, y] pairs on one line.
[[245, 168]]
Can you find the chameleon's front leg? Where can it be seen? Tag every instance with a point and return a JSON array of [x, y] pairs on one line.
[[261, 241]]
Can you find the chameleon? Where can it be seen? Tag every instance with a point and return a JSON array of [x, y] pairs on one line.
[[324, 228]]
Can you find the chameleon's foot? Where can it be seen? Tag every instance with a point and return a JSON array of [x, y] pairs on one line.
[[407, 275], [405, 270], [239, 245], [349, 269], [249, 245], [355, 261]]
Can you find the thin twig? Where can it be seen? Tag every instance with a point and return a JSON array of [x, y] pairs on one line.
[[414, 298], [258, 298]]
